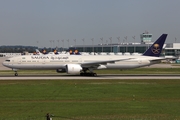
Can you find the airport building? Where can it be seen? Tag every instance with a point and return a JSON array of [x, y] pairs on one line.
[[124, 48], [170, 50]]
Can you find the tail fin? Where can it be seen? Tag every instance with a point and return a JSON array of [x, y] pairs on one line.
[[38, 52], [71, 52], [156, 47], [44, 51], [55, 51], [76, 52]]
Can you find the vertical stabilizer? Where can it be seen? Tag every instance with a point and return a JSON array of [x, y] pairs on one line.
[[156, 47]]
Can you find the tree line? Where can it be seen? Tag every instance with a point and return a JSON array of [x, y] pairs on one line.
[[17, 49]]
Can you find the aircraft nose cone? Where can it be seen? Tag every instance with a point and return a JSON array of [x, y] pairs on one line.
[[3, 63]]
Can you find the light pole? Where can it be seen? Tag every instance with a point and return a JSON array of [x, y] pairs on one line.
[[106, 42], [38, 44], [111, 42], [58, 44], [75, 42], [83, 44], [126, 42], [124, 48], [68, 43], [119, 43], [134, 43], [93, 44], [63, 44], [102, 43], [51, 44]]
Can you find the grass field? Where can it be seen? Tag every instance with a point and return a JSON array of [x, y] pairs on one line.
[[90, 99]]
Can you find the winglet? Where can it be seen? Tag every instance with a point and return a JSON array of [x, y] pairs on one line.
[[156, 47]]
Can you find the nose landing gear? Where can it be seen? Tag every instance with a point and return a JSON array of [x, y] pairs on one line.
[[15, 70]]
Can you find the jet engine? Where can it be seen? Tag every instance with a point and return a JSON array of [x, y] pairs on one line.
[[73, 68]]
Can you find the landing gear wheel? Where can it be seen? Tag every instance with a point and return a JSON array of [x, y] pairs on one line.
[[81, 74], [16, 74], [94, 74], [88, 74]]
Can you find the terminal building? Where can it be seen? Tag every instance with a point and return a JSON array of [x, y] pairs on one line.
[[124, 48], [170, 50]]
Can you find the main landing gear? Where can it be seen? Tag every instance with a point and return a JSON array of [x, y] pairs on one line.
[[88, 74], [85, 73], [15, 74]]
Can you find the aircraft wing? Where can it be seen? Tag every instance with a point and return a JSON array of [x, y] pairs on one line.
[[158, 59], [103, 62]]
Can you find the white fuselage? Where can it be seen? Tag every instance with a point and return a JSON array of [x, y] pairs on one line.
[[60, 61]]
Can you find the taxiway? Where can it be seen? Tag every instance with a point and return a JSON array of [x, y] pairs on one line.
[[72, 77]]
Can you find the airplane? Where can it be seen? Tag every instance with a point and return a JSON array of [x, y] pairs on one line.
[[39, 53], [84, 65], [76, 52], [55, 52], [44, 52]]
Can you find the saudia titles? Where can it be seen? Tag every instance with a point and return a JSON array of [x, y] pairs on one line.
[[155, 49], [48, 57]]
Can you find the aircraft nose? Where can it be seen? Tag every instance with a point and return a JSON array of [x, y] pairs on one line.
[[4, 63]]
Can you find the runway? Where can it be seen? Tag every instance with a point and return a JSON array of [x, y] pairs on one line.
[[100, 77]]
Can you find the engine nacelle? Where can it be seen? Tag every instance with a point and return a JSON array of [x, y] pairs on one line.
[[60, 70], [73, 68]]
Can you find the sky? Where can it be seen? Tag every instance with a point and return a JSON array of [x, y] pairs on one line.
[[37, 22]]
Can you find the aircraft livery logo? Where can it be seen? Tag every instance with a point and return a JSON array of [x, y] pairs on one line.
[[155, 49]]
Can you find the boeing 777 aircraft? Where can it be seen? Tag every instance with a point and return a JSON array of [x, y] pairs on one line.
[[84, 65]]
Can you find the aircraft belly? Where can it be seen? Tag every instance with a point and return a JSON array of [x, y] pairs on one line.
[[37, 66], [126, 65], [121, 66]]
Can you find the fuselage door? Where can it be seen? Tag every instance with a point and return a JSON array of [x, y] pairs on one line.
[[19, 60]]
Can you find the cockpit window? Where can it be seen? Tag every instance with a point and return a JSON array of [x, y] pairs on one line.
[[7, 60]]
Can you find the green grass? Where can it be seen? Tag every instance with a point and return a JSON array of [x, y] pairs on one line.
[[90, 99], [128, 71]]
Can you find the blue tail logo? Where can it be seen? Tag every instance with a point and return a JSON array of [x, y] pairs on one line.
[[156, 47], [76, 52]]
